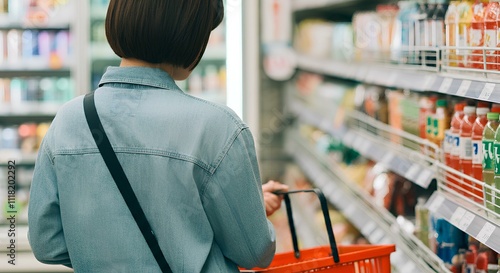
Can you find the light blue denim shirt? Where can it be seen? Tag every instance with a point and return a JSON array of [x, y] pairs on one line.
[[191, 163]]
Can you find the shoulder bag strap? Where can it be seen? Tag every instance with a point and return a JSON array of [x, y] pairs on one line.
[[121, 180]]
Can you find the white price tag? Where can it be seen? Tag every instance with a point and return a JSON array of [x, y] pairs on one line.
[[445, 85], [358, 142], [487, 91], [424, 179], [485, 233], [466, 221], [457, 216], [412, 172], [436, 203], [429, 81], [365, 147], [367, 230], [391, 80], [387, 158], [408, 267], [377, 236], [350, 210], [348, 138], [464, 87]]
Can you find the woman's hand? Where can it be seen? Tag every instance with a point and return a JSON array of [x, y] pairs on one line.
[[272, 201]]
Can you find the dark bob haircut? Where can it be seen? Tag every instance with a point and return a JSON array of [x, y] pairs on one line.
[[175, 32]]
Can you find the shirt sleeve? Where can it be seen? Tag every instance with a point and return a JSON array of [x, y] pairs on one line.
[[45, 232], [233, 202]]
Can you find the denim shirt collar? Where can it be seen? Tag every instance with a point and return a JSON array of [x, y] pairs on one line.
[[145, 76]]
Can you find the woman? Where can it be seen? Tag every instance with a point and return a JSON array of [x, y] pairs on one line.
[[191, 163]]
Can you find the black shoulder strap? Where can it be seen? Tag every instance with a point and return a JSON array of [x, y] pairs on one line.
[[121, 180]]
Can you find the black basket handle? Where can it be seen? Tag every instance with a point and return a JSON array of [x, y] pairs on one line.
[[326, 215]]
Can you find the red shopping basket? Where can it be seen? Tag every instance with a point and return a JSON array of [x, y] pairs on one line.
[[341, 259]]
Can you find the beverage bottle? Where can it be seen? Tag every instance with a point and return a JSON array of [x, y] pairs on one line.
[[466, 148], [454, 156], [477, 152], [420, 22], [422, 116], [438, 33], [495, 108], [428, 58], [441, 122], [451, 26], [464, 25], [491, 13], [429, 117], [477, 35], [495, 202], [489, 156]]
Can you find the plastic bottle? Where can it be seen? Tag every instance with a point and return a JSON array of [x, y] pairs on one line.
[[496, 150], [466, 148], [489, 156], [470, 262], [420, 29], [464, 27], [451, 26], [482, 263], [477, 151], [441, 122], [477, 35], [491, 33], [422, 221], [430, 112], [456, 120], [404, 36]]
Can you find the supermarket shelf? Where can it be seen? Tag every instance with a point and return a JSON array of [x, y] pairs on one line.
[[403, 161], [400, 76], [29, 109], [21, 159], [298, 5], [21, 26], [6, 72], [375, 223], [467, 218]]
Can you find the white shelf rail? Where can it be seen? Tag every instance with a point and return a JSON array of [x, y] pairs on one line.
[[375, 223]]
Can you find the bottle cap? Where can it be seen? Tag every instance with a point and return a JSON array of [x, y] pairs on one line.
[[459, 107], [482, 111], [468, 110], [441, 103], [493, 116]]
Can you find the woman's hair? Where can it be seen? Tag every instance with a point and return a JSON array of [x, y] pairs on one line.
[[175, 32]]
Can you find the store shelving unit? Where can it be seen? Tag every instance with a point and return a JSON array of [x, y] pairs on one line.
[[419, 165], [375, 223], [403, 77]]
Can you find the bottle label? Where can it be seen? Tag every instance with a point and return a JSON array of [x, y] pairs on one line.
[[448, 142], [496, 155], [466, 148], [490, 39], [477, 152], [488, 160], [455, 149], [476, 35]]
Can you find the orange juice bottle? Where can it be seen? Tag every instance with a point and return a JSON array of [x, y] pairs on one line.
[[451, 25], [477, 35], [477, 151], [491, 34], [466, 148], [464, 26]]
